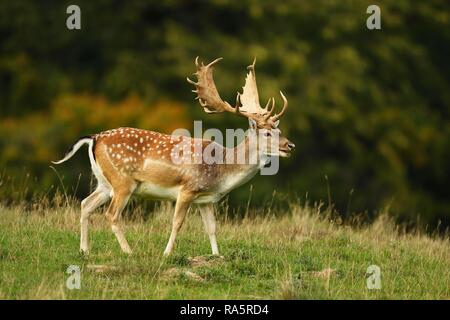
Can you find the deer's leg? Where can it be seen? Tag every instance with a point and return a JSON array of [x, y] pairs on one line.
[[209, 220], [181, 207], [88, 205], [118, 203]]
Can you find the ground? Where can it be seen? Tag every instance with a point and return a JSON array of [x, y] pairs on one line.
[[297, 254]]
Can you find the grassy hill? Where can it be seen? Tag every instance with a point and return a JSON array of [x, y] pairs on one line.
[[303, 254]]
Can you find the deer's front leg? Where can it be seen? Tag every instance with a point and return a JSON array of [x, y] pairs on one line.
[[183, 202], [209, 220]]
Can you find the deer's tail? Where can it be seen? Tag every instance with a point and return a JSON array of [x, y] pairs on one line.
[[77, 145]]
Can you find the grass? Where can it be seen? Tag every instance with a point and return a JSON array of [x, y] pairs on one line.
[[300, 254]]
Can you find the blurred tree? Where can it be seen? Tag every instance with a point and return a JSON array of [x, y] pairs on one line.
[[369, 109]]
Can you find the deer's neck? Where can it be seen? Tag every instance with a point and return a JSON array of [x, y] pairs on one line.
[[247, 162]]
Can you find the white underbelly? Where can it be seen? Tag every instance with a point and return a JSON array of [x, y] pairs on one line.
[[208, 198], [154, 191]]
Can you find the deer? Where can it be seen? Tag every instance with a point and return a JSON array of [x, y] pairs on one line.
[[135, 162]]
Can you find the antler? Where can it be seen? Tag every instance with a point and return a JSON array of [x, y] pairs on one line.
[[250, 102], [206, 90], [247, 103], [249, 97], [285, 105]]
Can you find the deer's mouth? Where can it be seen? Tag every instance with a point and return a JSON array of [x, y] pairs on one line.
[[285, 153]]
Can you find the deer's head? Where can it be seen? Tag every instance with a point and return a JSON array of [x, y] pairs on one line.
[[263, 122]]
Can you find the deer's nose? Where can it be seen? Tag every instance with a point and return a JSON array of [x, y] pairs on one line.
[[290, 145]]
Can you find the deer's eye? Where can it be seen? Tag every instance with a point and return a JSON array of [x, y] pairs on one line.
[[267, 134]]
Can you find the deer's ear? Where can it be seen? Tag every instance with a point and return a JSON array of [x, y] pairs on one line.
[[276, 124], [252, 123]]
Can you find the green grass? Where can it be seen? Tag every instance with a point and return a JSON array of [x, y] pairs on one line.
[[265, 257]]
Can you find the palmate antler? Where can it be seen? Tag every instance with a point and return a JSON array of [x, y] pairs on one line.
[[247, 103]]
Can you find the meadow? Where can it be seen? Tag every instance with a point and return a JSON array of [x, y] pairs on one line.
[[302, 252]]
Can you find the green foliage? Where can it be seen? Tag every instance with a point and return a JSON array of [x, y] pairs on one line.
[[369, 109]]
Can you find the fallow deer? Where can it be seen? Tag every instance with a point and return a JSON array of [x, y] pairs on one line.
[[128, 161]]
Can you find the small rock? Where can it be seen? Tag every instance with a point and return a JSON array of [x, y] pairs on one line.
[[174, 273], [201, 261], [193, 276], [100, 268], [171, 273]]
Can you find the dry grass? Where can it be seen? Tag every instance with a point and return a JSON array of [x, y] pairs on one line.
[[300, 254]]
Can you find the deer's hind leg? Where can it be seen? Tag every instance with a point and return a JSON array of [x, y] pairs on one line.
[[121, 195], [97, 198]]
